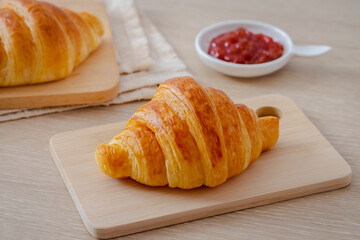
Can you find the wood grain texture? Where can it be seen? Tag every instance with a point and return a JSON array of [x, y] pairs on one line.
[[94, 80], [301, 163], [35, 204]]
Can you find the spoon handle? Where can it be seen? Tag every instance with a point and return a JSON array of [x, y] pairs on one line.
[[310, 50]]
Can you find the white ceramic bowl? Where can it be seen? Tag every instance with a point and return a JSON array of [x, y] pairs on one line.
[[204, 37]]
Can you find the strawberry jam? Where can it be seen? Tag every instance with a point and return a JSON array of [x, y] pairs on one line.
[[244, 47]]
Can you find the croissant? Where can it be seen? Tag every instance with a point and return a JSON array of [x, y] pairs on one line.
[[40, 42], [187, 136]]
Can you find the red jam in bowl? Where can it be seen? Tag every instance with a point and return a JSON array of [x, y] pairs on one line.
[[244, 47]]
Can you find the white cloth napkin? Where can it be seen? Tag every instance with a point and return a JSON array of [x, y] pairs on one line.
[[145, 59]]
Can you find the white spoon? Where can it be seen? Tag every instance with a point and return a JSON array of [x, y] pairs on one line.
[[309, 50]]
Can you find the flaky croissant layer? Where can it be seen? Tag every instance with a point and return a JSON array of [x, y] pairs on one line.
[[187, 136], [40, 42]]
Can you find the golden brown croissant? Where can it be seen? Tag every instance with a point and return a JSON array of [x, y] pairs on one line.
[[187, 136], [40, 42]]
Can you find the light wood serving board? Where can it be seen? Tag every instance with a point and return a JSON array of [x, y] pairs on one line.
[[94, 80], [301, 163]]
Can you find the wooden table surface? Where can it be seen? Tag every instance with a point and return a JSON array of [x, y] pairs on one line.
[[35, 204]]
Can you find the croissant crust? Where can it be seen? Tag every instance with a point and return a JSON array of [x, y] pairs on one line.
[[187, 136]]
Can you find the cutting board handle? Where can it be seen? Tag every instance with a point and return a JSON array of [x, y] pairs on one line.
[[269, 111]]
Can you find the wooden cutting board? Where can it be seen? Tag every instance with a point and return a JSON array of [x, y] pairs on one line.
[[301, 163], [94, 80]]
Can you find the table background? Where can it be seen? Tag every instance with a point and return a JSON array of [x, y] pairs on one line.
[[35, 204]]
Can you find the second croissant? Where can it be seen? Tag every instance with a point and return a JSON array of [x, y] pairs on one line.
[[187, 136], [40, 42]]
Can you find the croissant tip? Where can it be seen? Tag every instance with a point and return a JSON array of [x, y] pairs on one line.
[[112, 161], [269, 127], [94, 22], [102, 158]]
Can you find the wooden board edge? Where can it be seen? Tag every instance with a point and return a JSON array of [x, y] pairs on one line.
[[68, 186], [155, 223], [61, 100], [81, 131]]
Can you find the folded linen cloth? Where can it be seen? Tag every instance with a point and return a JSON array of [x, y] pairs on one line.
[[145, 59]]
